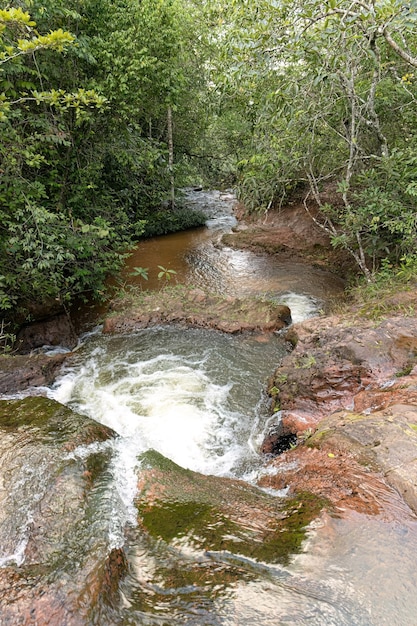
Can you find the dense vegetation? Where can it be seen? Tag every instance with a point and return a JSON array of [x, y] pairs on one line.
[[329, 90], [86, 88], [105, 105]]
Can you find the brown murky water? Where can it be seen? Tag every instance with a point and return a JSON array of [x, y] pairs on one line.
[[199, 259]]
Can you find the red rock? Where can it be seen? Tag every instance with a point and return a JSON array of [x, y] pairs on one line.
[[335, 476], [334, 366]]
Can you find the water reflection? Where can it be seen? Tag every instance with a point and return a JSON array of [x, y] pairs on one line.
[[349, 573], [197, 260]]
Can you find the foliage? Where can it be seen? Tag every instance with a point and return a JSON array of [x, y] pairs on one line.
[[162, 222], [7, 339], [46, 252], [141, 271], [83, 151], [329, 92], [165, 273]]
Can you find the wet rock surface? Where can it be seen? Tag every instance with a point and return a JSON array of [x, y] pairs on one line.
[[336, 364], [18, 372], [52, 551], [385, 439], [349, 393], [195, 308], [212, 513]]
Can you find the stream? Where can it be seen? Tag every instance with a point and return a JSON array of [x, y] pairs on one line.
[[197, 398]]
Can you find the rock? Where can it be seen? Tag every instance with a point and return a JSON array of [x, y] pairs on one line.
[[385, 439], [19, 372], [208, 513], [56, 565], [336, 476], [195, 308], [334, 363], [54, 331], [275, 442], [356, 387]]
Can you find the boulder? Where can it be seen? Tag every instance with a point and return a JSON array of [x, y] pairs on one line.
[[18, 372], [348, 392], [57, 566], [56, 330]]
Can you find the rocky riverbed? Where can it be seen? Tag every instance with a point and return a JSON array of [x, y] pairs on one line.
[[344, 396], [346, 392]]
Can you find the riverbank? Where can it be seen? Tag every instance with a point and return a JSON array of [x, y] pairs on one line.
[[345, 397], [348, 394], [345, 376], [189, 519], [291, 234]]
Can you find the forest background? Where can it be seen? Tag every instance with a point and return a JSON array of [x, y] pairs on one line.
[[107, 106]]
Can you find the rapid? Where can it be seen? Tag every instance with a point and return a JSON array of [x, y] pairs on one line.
[[197, 398]]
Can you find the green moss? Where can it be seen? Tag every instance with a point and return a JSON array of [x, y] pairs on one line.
[[50, 421], [151, 459], [406, 370], [305, 362], [317, 438], [281, 379], [197, 508]]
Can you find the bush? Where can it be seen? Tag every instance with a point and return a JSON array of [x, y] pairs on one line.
[[171, 221]]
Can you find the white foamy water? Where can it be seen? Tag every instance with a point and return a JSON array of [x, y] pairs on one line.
[[302, 306], [194, 396], [160, 403]]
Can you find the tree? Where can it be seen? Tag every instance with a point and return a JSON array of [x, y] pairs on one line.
[[330, 93], [86, 157], [45, 252]]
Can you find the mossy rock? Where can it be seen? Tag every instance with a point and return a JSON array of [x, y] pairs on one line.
[[219, 514], [50, 421]]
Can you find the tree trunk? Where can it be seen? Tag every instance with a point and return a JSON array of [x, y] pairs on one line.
[[171, 157]]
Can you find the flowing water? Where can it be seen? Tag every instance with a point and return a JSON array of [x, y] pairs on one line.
[[198, 259], [197, 398]]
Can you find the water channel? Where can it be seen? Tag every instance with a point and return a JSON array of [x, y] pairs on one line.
[[197, 398]]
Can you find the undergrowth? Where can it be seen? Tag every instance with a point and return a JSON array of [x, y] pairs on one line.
[[393, 292]]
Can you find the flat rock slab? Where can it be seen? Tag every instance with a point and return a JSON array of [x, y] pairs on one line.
[[195, 308], [385, 440]]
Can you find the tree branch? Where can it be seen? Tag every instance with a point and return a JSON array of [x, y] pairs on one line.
[[397, 48]]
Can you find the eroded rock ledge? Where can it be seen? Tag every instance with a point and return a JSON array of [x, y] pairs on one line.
[[194, 307], [348, 391]]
